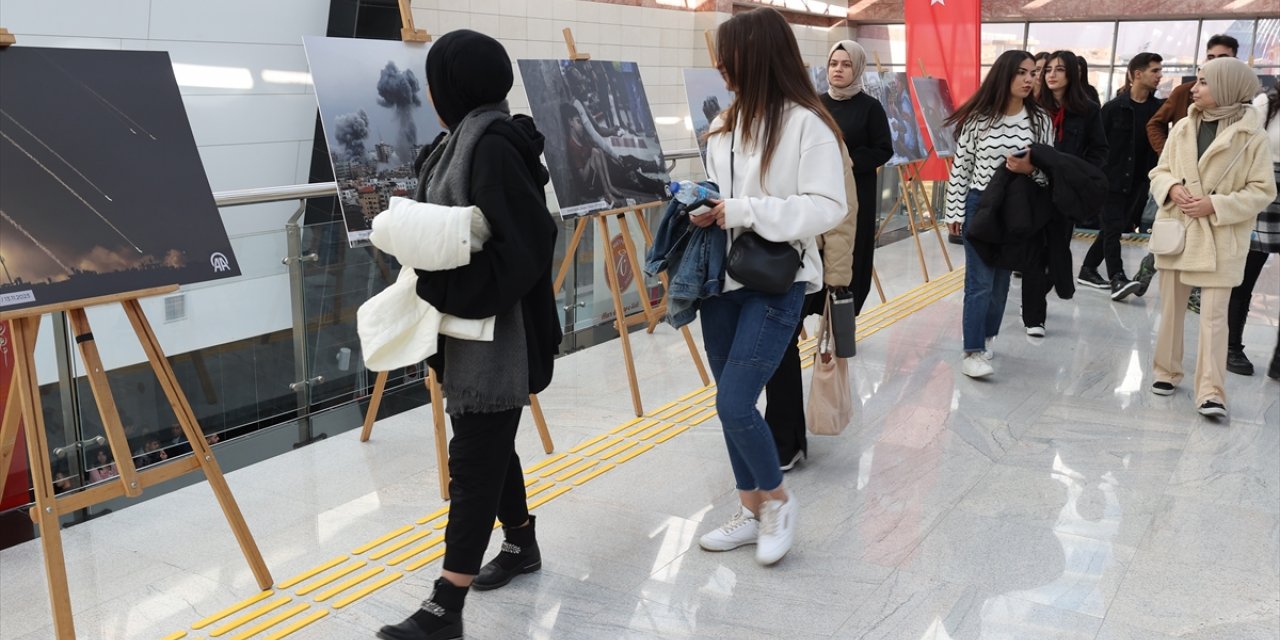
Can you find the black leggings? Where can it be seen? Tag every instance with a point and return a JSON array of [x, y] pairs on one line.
[[1238, 308], [486, 481]]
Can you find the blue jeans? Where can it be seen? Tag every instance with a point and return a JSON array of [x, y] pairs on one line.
[[986, 290], [745, 333]]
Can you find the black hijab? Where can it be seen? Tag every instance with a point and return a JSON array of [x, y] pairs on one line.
[[465, 70]]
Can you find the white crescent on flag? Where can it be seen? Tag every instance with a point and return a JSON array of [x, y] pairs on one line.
[[941, 2]]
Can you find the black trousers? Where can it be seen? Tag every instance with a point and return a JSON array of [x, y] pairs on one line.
[[784, 393], [486, 481], [1117, 216], [1036, 282], [1238, 307], [864, 250]]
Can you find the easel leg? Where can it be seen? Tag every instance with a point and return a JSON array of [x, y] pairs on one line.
[[569, 252], [918, 183], [438, 426], [200, 448], [911, 220], [375, 400], [45, 512], [620, 318], [116, 439], [875, 277], [12, 418], [651, 316], [540, 422]]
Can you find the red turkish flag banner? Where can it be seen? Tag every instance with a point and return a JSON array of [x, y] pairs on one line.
[[943, 41]]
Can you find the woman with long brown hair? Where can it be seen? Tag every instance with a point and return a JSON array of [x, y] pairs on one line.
[[994, 128], [775, 153]]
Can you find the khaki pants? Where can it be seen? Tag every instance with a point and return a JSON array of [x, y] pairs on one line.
[[1211, 356]]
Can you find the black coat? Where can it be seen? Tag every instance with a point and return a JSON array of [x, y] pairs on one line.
[[1083, 136], [1017, 218], [865, 129], [507, 184], [1120, 167]]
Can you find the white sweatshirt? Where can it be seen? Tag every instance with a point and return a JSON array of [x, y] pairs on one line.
[[802, 197]]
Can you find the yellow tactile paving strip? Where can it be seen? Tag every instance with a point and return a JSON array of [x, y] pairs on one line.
[[301, 600]]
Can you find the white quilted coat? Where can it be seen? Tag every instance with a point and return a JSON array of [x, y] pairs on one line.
[[396, 327]]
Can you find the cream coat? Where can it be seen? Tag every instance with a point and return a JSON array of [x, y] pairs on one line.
[[837, 244], [1236, 170]]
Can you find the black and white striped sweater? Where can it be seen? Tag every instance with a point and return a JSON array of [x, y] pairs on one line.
[[983, 147]]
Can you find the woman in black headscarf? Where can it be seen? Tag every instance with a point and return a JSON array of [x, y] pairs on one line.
[[488, 159]]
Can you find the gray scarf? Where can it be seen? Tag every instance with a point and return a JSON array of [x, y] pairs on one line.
[[481, 377]]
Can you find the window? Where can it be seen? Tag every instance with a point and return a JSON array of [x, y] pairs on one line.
[[888, 42], [999, 37], [1266, 50], [1174, 41], [1092, 40], [1241, 30]]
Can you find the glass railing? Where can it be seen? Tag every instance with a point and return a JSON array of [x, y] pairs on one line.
[[296, 363]]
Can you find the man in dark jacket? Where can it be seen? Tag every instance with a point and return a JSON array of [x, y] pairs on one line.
[[1175, 107], [1129, 159]]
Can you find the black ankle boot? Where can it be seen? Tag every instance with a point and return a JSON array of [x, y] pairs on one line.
[[1238, 363], [440, 617], [519, 555], [1273, 371]]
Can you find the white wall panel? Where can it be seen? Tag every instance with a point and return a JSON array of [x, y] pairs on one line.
[[77, 18]]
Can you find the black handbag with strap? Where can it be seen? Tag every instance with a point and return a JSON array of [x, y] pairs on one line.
[[760, 265]]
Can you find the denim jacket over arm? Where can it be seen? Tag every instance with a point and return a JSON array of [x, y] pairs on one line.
[[693, 257]]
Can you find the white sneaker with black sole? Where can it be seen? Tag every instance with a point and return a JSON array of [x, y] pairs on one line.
[[741, 530], [777, 530]]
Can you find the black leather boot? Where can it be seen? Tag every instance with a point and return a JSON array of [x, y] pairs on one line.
[[440, 617], [1273, 371], [519, 555]]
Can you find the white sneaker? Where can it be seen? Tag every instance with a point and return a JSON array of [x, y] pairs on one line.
[[777, 529], [976, 366], [742, 529], [988, 350], [1035, 332]]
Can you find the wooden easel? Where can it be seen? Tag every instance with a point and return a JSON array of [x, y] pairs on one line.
[[22, 407], [914, 199], [649, 314], [409, 34]]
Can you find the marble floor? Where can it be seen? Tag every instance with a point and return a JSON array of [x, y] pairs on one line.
[[1058, 499]]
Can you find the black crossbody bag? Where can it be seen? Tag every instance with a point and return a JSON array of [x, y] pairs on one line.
[[759, 264]]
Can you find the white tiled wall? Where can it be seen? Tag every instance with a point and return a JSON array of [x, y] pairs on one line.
[[252, 130], [662, 41]]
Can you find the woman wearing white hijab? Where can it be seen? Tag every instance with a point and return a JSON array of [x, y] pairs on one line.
[[1214, 176], [865, 130]]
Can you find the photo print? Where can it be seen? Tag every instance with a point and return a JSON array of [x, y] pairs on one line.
[[377, 118], [890, 88], [936, 105], [602, 146], [103, 189], [818, 76], [708, 97]]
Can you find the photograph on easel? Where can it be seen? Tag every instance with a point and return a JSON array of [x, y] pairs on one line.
[[818, 76], [377, 118], [708, 97], [890, 88], [103, 188], [602, 146], [936, 105]]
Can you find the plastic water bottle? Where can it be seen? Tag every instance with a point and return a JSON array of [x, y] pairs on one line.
[[691, 194]]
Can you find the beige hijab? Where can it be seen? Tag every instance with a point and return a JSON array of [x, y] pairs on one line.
[[1234, 86], [858, 56]]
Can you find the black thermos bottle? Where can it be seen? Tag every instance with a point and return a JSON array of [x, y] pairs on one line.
[[842, 324]]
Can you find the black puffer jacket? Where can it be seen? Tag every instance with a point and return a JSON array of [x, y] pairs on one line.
[[1014, 213]]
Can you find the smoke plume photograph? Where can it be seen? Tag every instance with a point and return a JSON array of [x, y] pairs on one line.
[[102, 190], [602, 146], [376, 117], [934, 97]]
